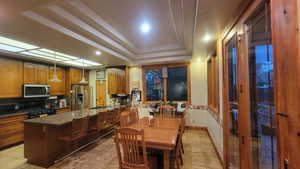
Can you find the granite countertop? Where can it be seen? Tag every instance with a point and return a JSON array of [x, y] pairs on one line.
[[60, 119]]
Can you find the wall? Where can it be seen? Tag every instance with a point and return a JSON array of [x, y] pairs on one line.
[[201, 117], [196, 117]]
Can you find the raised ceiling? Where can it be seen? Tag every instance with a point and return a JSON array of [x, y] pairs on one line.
[[81, 27]]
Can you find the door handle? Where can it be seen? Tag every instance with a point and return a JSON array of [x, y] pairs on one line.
[[282, 115], [286, 164], [243, 139]]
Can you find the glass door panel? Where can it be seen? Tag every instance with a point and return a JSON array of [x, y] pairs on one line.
[[233, 142], [262, 108]]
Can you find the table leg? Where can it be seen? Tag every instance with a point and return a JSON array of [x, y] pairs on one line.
[[166, 159]]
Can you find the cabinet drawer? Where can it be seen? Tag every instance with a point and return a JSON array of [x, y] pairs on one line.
[[8, 120], [11, 138], [11, 128]]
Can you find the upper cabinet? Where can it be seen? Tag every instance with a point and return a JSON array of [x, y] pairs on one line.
[[75, 75], [35, 73], [117, 82], [12, 78], [57, 88]]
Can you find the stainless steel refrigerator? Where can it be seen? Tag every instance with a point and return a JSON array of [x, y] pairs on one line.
[[80, 97]]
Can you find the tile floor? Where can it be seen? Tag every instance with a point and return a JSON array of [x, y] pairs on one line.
[[199, 154]]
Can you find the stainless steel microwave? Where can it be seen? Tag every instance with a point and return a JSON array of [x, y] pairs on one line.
[[31, 91]]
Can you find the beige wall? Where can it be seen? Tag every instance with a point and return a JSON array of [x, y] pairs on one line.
[[201, 118]]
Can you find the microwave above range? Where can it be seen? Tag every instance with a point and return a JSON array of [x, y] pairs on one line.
[[31, 91]]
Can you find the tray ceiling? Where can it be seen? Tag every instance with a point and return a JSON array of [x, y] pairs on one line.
[[81, 27]]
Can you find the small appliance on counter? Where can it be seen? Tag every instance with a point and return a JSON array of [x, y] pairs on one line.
[[136, 95], [39, 112]]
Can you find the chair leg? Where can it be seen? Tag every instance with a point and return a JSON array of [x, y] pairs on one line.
[[182, 147], [181, 160]]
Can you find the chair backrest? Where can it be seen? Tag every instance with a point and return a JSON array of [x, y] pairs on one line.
[[167, 111], [79, 126], [127, 118], [130, 143], [134, 114]]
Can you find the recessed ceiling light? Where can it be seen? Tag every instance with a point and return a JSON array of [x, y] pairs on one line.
[[207, 38], [145, 27], [98, 52]]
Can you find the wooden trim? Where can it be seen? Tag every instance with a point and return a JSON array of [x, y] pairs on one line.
[[195, 128], [215, 147], [238, 28], [158, 66]]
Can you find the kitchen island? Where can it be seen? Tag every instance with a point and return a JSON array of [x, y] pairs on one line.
[[50, 139]]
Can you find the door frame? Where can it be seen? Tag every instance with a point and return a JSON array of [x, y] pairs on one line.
[[239, 29]]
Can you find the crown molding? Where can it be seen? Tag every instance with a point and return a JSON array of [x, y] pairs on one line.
[[101, 22], [71, 18], [162, 60], [162, 54], [42, 20]]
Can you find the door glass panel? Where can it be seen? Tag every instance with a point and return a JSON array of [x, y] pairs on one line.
[[262, 108], [234, 152]]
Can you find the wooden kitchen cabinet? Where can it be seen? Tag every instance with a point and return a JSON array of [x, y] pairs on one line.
[[11, 130], [12, 78], [35, 73], [116, 82], [75, 75], [42, 75], [57, 88]]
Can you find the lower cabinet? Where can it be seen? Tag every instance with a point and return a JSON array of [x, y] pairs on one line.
[[11, 130]]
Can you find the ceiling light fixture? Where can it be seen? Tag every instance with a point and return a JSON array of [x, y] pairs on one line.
[[207, 38], [55, 77], [83, 81], [145, 28], [98, 52]]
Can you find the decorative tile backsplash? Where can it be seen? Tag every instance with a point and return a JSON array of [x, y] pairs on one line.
[[204, 107]]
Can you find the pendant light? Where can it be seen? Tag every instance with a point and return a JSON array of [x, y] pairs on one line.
[[55, 77], [83, 81]]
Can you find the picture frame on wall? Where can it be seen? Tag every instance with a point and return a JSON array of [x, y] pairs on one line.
[[100, 75]]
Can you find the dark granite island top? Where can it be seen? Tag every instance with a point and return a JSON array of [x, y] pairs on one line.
[[64, 118]]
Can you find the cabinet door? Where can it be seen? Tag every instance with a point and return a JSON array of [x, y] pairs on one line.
[[42, 74], [75, 75], [12, 78], [30, 73], [57, 88], [100, 93]]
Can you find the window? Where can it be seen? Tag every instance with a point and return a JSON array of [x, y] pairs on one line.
[[213, 84], [177, 84], [166, 83], [154, 81]]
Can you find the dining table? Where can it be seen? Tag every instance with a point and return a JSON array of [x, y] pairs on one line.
[[160, 133]]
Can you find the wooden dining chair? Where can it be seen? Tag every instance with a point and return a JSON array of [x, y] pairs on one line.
[[134, 114], [131, 149], [167, 111], [179, 147]]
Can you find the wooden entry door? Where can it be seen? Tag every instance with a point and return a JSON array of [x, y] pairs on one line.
[[285, 33], [100, 93]]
